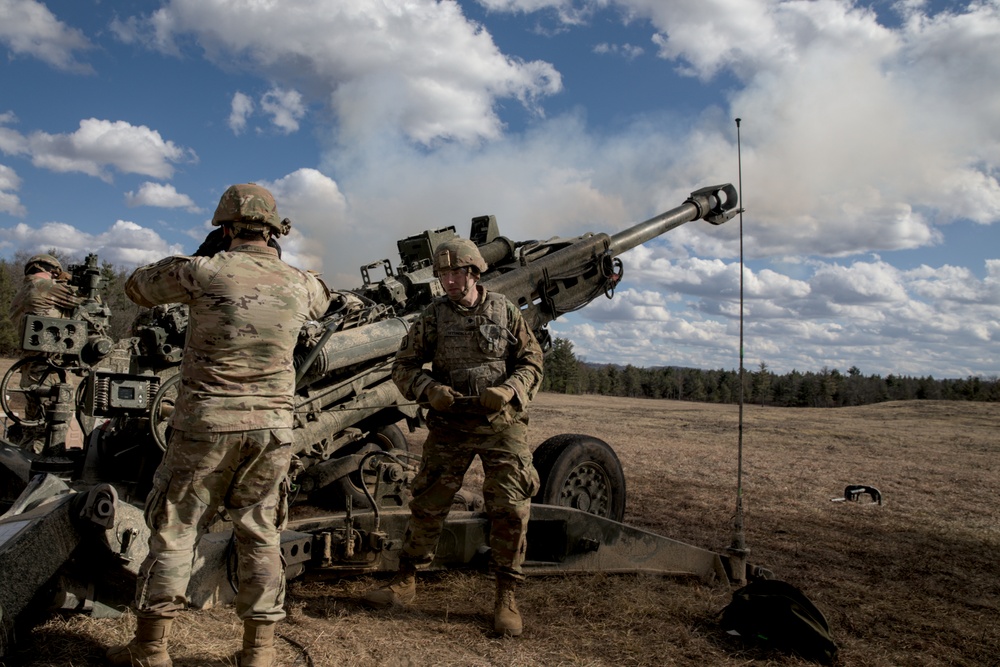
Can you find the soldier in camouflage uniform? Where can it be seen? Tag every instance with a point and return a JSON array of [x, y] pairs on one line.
[[44, 293], [479, 346], [230, 446]]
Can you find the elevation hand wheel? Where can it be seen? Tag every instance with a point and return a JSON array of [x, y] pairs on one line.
[[23, 387], [161, 408]]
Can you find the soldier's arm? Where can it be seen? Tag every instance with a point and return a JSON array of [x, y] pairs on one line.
[[526, 376], [414, 351], [319, 296], [170, 280], [64, 297]]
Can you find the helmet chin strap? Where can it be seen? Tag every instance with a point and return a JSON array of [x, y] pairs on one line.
[[469, 286], [461, 295]]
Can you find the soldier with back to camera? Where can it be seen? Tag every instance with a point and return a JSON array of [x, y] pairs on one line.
[[45, 292], [479, 347], [230, 444]]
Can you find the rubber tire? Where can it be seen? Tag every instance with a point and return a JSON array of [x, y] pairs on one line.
[[387, 437], [568, 462]]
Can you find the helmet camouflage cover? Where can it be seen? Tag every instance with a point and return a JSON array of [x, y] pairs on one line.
[[252, 206], [47, 262], [456, 253]]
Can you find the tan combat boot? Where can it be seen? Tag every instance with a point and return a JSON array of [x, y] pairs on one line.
[[506, 618], [148, 649], [258, 644], [399, 592]]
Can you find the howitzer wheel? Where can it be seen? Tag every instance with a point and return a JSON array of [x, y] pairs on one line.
[[16, 400], [161, 408], [582, 472]]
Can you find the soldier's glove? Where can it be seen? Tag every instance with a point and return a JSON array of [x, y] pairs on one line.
[[440, 396], [495, 398], [214, 243]]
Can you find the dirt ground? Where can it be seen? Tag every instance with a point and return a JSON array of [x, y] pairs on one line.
[[913, 581]]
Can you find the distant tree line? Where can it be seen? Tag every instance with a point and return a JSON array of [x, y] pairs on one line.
[[123, 311], [827, 388]]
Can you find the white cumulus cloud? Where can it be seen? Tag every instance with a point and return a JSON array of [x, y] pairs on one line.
[[419, 66], [29, 28], [162, 195], [96, 146], [318, 211], [866, 314], [285, 108], [123, 244], [859, 133], [9, 184], [241, 108]]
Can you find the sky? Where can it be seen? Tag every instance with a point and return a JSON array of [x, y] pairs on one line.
[[867, 154]]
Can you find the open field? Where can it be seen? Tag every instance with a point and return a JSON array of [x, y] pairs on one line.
[[914, 581]]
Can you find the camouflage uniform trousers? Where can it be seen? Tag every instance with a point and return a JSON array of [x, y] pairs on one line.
[[245, 472], [510, 482]]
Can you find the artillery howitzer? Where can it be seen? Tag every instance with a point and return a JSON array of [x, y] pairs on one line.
[[351, 470]]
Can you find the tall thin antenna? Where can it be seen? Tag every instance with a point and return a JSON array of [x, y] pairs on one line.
[[738, 550]]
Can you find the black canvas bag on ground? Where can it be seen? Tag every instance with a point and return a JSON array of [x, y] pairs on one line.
[[776, 614]]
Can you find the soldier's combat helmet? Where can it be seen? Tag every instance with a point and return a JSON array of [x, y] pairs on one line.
[[43, 262], [249, 206], [458, 253]]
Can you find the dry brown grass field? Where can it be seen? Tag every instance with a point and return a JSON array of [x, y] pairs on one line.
[[914, 581]]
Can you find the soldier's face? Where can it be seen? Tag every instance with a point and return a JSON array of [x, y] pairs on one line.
[[459, 284]]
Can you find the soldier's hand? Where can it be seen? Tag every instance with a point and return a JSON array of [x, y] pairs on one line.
[[214, 243], [441, 396], [495, 398], [64, 296]]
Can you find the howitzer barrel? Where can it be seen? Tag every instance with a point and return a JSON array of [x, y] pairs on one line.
[[563, 275], [357, 346], [716, 204], [497, 251], [345, 414]]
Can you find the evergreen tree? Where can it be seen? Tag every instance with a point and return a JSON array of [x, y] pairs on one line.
[[561, 369], [631, 384], [123, 310], [10, 281], [760, 385]]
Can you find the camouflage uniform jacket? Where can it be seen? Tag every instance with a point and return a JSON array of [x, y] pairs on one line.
[[246, 309], [44, 297], [471, 349]]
